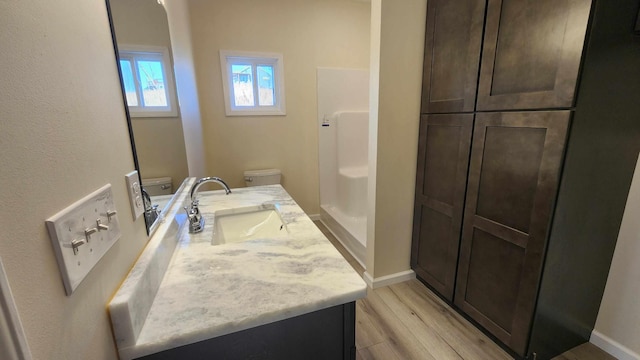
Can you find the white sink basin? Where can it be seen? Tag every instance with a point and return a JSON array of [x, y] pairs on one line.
[[247, 223]]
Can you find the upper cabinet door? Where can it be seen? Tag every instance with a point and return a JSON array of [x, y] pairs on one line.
[[513, 178], [452, 54], [531, 53]]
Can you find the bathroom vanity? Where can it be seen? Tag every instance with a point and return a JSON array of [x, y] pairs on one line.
[[283, 294]]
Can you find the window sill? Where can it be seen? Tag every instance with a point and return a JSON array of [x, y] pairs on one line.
[[154, 114], [256, 113]]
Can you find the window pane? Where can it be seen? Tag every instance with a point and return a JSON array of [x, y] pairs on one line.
[[129, 84], [265, 85], [152, 83], [242, 85]]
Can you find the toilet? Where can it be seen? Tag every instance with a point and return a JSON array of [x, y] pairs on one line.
[[157, 186], [262, 177]]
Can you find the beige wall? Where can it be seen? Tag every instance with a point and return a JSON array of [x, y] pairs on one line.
[[398, 111], [374, 89], [61, 138], [159, 141], [619, 316], [180, 33], [309, 34], [160, 148]]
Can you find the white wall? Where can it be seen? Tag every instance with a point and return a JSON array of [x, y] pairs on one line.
[[338, 90], [63, 134], [617, 328], [309, 34], [396, 74]]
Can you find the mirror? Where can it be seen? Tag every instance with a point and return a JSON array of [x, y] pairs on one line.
[[141, 39]]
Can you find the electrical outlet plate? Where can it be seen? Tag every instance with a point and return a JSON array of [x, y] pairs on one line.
[[82, 233], [135, 194]]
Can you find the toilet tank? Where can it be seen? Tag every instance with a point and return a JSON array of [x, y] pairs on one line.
[[157, 186], [262, 177]]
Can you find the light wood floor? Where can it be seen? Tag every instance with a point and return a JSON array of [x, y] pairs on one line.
[[407, 321]]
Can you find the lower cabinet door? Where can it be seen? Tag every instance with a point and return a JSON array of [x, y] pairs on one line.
[[443, 159], [513, 179]]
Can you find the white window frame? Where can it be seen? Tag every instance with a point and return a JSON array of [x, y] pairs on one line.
[[228, 58], [142, 52]]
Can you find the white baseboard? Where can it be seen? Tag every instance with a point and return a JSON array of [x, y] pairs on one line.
[[388, 279], [612, 347], [314, 217]]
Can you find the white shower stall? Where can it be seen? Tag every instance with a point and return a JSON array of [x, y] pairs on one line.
[[343, 122]]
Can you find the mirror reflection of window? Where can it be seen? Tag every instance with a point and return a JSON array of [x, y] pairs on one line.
[[151, 77], [146, 81], [129, 83]]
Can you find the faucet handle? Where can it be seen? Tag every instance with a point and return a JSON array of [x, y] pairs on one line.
[[192, 211], [196, 221]]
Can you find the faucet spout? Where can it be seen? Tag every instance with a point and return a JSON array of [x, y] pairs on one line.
[[204, 180], [196, 221]]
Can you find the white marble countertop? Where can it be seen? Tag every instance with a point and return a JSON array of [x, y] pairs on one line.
[[209, 291]]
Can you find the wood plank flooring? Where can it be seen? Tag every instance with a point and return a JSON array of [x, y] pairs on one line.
[[407, 321], [585, 351]]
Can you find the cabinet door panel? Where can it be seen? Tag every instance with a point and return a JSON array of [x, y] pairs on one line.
[[443, 158], [452, 55], [531, 53], [513, 179]]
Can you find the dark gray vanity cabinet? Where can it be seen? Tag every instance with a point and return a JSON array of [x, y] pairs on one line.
[[555, 139], [319, 335]]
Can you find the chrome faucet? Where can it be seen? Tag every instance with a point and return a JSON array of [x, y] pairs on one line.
[[204, 180], [151, 211], [196, 221]]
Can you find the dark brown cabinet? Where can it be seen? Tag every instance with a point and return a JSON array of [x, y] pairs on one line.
[[513, 179], [517, 230], [531, 53], [452, 55], [443, 159]]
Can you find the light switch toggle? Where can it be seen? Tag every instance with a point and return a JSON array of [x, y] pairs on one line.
[[88, 232], [110, 214], [101, 226], [75, 244]]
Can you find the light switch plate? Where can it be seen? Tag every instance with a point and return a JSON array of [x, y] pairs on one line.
[[135, 194], [82, 233]]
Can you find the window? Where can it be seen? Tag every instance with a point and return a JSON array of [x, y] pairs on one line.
[[147, 81], [253, 83]]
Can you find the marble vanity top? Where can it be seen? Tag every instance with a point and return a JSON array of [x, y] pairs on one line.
[[209, 291]]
